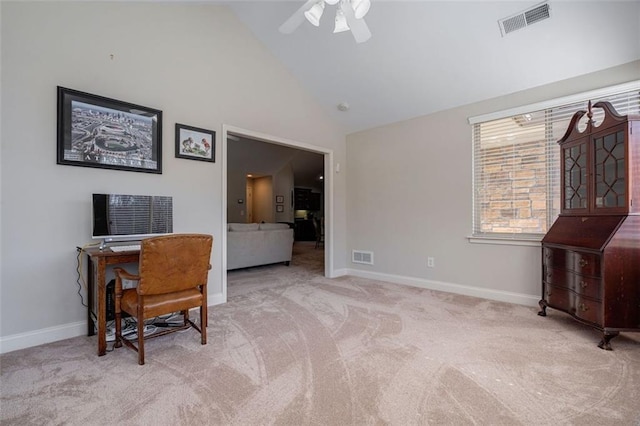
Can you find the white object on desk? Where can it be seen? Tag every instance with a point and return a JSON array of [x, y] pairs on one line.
[[132, 247]]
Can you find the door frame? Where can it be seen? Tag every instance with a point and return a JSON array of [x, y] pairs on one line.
[[328, 192]]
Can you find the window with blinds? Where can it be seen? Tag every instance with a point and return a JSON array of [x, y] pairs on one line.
[[516, 161], [139, 214]]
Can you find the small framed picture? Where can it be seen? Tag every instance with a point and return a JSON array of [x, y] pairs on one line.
[[279, 208], [279, 199], [194, 143]]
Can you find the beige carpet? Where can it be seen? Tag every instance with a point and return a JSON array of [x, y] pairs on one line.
[[294, 348]]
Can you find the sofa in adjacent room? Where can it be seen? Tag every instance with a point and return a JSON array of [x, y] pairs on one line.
[[253, 244]]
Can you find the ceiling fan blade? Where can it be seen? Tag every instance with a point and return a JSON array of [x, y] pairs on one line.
[[296, 19], [359, 28]]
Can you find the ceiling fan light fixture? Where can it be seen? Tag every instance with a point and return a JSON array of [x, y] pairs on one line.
[[352, 11], [314, 14], [341, 22], [360, 7]]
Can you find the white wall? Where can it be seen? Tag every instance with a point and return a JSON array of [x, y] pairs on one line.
[[410, 197], [195, 62], [263, 209]]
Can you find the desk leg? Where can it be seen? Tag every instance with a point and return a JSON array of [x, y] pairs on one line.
[[90, 296], [102, 306]]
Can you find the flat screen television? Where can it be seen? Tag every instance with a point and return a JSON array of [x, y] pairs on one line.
[[120, 217]]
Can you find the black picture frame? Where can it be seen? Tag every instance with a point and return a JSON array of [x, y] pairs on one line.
[[279, 199], [95, 131], [194, 143], [279, 208]]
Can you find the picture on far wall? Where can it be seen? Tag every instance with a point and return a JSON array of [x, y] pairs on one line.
[[279, 199], [94, 131], [279, 208], [195, 143]]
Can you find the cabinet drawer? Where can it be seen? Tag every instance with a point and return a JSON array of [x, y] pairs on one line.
[[558, 297], [581, 285], [588, 286], [588, 310], [586, 263], [555, 258], [559, 277]]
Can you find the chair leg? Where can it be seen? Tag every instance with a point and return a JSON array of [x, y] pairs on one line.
[[118, 342], [118, 297], [140, 337], [203, 324], [185, 317]]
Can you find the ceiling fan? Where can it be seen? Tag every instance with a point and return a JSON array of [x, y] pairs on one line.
[[349, 16]]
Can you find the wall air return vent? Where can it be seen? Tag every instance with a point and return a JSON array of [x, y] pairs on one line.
[[524, 19], [359, 256]]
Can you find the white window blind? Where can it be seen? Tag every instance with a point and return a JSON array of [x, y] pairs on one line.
[[161, 215], [516, 161], [139, 214]]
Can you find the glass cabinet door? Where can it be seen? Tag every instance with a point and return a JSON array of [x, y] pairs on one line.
[[610, 188], [575, 176]]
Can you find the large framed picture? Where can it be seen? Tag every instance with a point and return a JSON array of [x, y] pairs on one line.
[[94, 131], [195, 143]]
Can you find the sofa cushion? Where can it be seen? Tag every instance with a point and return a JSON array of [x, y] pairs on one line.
[[242, 227], [269, 226]]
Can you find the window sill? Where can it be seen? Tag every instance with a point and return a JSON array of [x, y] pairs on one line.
[[509, 241]]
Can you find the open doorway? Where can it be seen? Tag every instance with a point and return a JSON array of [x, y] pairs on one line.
[[286, 171], [267, 182]]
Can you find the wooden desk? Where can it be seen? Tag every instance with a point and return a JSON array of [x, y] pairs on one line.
[[97, 288]]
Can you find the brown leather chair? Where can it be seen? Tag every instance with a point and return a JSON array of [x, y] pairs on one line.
[[173, 272]]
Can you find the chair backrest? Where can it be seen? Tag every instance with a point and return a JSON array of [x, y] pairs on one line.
[[175, 262]]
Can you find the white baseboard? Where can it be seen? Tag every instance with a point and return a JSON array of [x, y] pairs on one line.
[[64, 331], [336, 273], [216, 299], [42, 336], [485, 293]]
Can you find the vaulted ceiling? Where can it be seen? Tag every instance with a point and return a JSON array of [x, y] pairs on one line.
[[427, 56]]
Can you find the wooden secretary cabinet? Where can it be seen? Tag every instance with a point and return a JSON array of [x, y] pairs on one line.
[[591, 254]]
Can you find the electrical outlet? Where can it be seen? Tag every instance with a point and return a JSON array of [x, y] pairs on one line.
[[431, 262]]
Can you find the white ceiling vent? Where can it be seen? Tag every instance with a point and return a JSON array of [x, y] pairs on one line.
[[359, 256], [525, 18]]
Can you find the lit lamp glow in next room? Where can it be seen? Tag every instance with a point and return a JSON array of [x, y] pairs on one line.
[[360, 9]]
